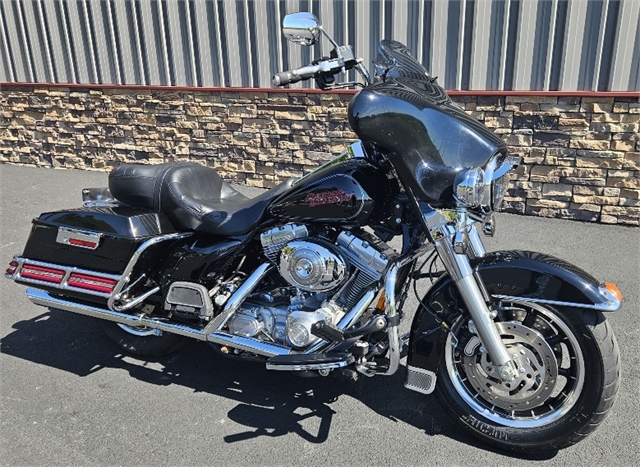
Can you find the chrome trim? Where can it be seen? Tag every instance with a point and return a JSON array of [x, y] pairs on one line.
[[420, 380], [42, 298], [459, 268], [248, 344], [273, 240], [117, 290], [141, 331], [485, 326], [238, 297], [301, 28], [534, 422], [362, 254], [354, 314], [311, 267], [65, 235], [612, 304], [63, 285], [390, 305], [392, 331], [93, 197], [347, 321], [136, 301], [311, 366], [469, 187], [475, 242]]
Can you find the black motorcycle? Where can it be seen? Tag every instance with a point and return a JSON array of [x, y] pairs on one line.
[[514, 343]]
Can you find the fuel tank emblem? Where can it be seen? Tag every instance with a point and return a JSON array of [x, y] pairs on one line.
[[328, 197]]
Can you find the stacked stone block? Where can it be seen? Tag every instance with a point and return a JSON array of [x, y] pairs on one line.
[[581, 155]]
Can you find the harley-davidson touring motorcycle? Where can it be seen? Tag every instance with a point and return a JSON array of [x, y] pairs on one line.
[[302, 277]]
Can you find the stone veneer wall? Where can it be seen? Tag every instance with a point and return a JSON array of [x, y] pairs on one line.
[[581, 155]]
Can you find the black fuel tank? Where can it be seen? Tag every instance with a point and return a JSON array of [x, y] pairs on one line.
[[346, 193]]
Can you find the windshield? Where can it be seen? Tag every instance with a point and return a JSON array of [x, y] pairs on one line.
[[394, 60]]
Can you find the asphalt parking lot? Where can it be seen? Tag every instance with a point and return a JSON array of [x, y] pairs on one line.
[[69, 397]]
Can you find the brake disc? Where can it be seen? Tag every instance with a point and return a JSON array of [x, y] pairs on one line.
[[534, 359]]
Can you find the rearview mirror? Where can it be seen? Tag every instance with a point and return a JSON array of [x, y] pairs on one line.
[[301, 28]]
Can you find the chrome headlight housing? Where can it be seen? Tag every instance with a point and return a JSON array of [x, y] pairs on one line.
[[470, 188], [485, 188]]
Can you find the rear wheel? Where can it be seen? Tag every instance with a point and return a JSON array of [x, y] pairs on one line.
[[142, 341], [568, 362]]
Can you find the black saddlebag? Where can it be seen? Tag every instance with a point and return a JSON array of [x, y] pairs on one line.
[[100, 239]]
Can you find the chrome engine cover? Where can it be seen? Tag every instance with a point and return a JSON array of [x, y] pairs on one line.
[[286, 325], [312, 267]]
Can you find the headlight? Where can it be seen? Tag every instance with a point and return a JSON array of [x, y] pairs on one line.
[[485, 188], [470, 187]]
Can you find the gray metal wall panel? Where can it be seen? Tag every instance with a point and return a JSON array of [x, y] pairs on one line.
[[468, 44], [6, 71], [624, 48], [480, 52]]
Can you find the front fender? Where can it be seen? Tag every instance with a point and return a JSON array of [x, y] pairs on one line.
[[509, 275]]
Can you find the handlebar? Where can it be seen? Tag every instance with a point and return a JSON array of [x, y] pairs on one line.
[[293, 76], [328, 67]]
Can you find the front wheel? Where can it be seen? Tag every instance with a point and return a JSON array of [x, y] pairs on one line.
[[569, 374]]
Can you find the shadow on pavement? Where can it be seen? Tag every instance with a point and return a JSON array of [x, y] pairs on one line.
[[270, 403]]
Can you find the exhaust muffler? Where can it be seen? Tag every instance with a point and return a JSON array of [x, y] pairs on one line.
[[43, 298]]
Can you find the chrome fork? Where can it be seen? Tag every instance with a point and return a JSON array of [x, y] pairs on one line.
[[455, 240]]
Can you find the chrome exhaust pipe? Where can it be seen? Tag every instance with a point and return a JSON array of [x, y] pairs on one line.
[[43, 298]]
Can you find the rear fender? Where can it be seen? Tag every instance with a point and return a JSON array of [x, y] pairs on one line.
[[508, 275]]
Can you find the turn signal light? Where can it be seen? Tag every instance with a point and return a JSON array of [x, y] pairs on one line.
[[13, 265], [611, 287]]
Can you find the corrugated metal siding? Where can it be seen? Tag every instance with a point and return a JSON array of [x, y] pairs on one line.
[[569, 45]]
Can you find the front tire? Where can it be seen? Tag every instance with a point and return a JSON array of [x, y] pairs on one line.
[[569, 376]]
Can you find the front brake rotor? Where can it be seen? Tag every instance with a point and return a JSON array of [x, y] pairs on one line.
[[534, 360]]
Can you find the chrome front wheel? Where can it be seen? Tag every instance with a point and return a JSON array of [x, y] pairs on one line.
[[568, 373]]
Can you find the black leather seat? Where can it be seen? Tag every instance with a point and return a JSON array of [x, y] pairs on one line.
[[192, 196]]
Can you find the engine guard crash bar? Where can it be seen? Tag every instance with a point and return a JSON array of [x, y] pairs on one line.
[[395, 343]]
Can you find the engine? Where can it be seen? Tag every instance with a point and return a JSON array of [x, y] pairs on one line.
[[327, 279]]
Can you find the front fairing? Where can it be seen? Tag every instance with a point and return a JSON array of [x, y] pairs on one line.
[[426, 137]]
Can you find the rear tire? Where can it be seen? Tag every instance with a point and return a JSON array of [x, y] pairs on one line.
[[141, 341], [570, 367]]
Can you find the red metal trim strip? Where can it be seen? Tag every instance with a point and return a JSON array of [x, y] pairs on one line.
[[497, 93]]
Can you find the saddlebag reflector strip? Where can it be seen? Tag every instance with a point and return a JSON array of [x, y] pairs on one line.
[[62, 277], [41, 273], [91, 282]]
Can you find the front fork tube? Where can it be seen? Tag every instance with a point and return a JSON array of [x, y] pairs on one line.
[[460, 270]]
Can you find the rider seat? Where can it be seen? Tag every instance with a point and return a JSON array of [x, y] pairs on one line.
[[193, 197]]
